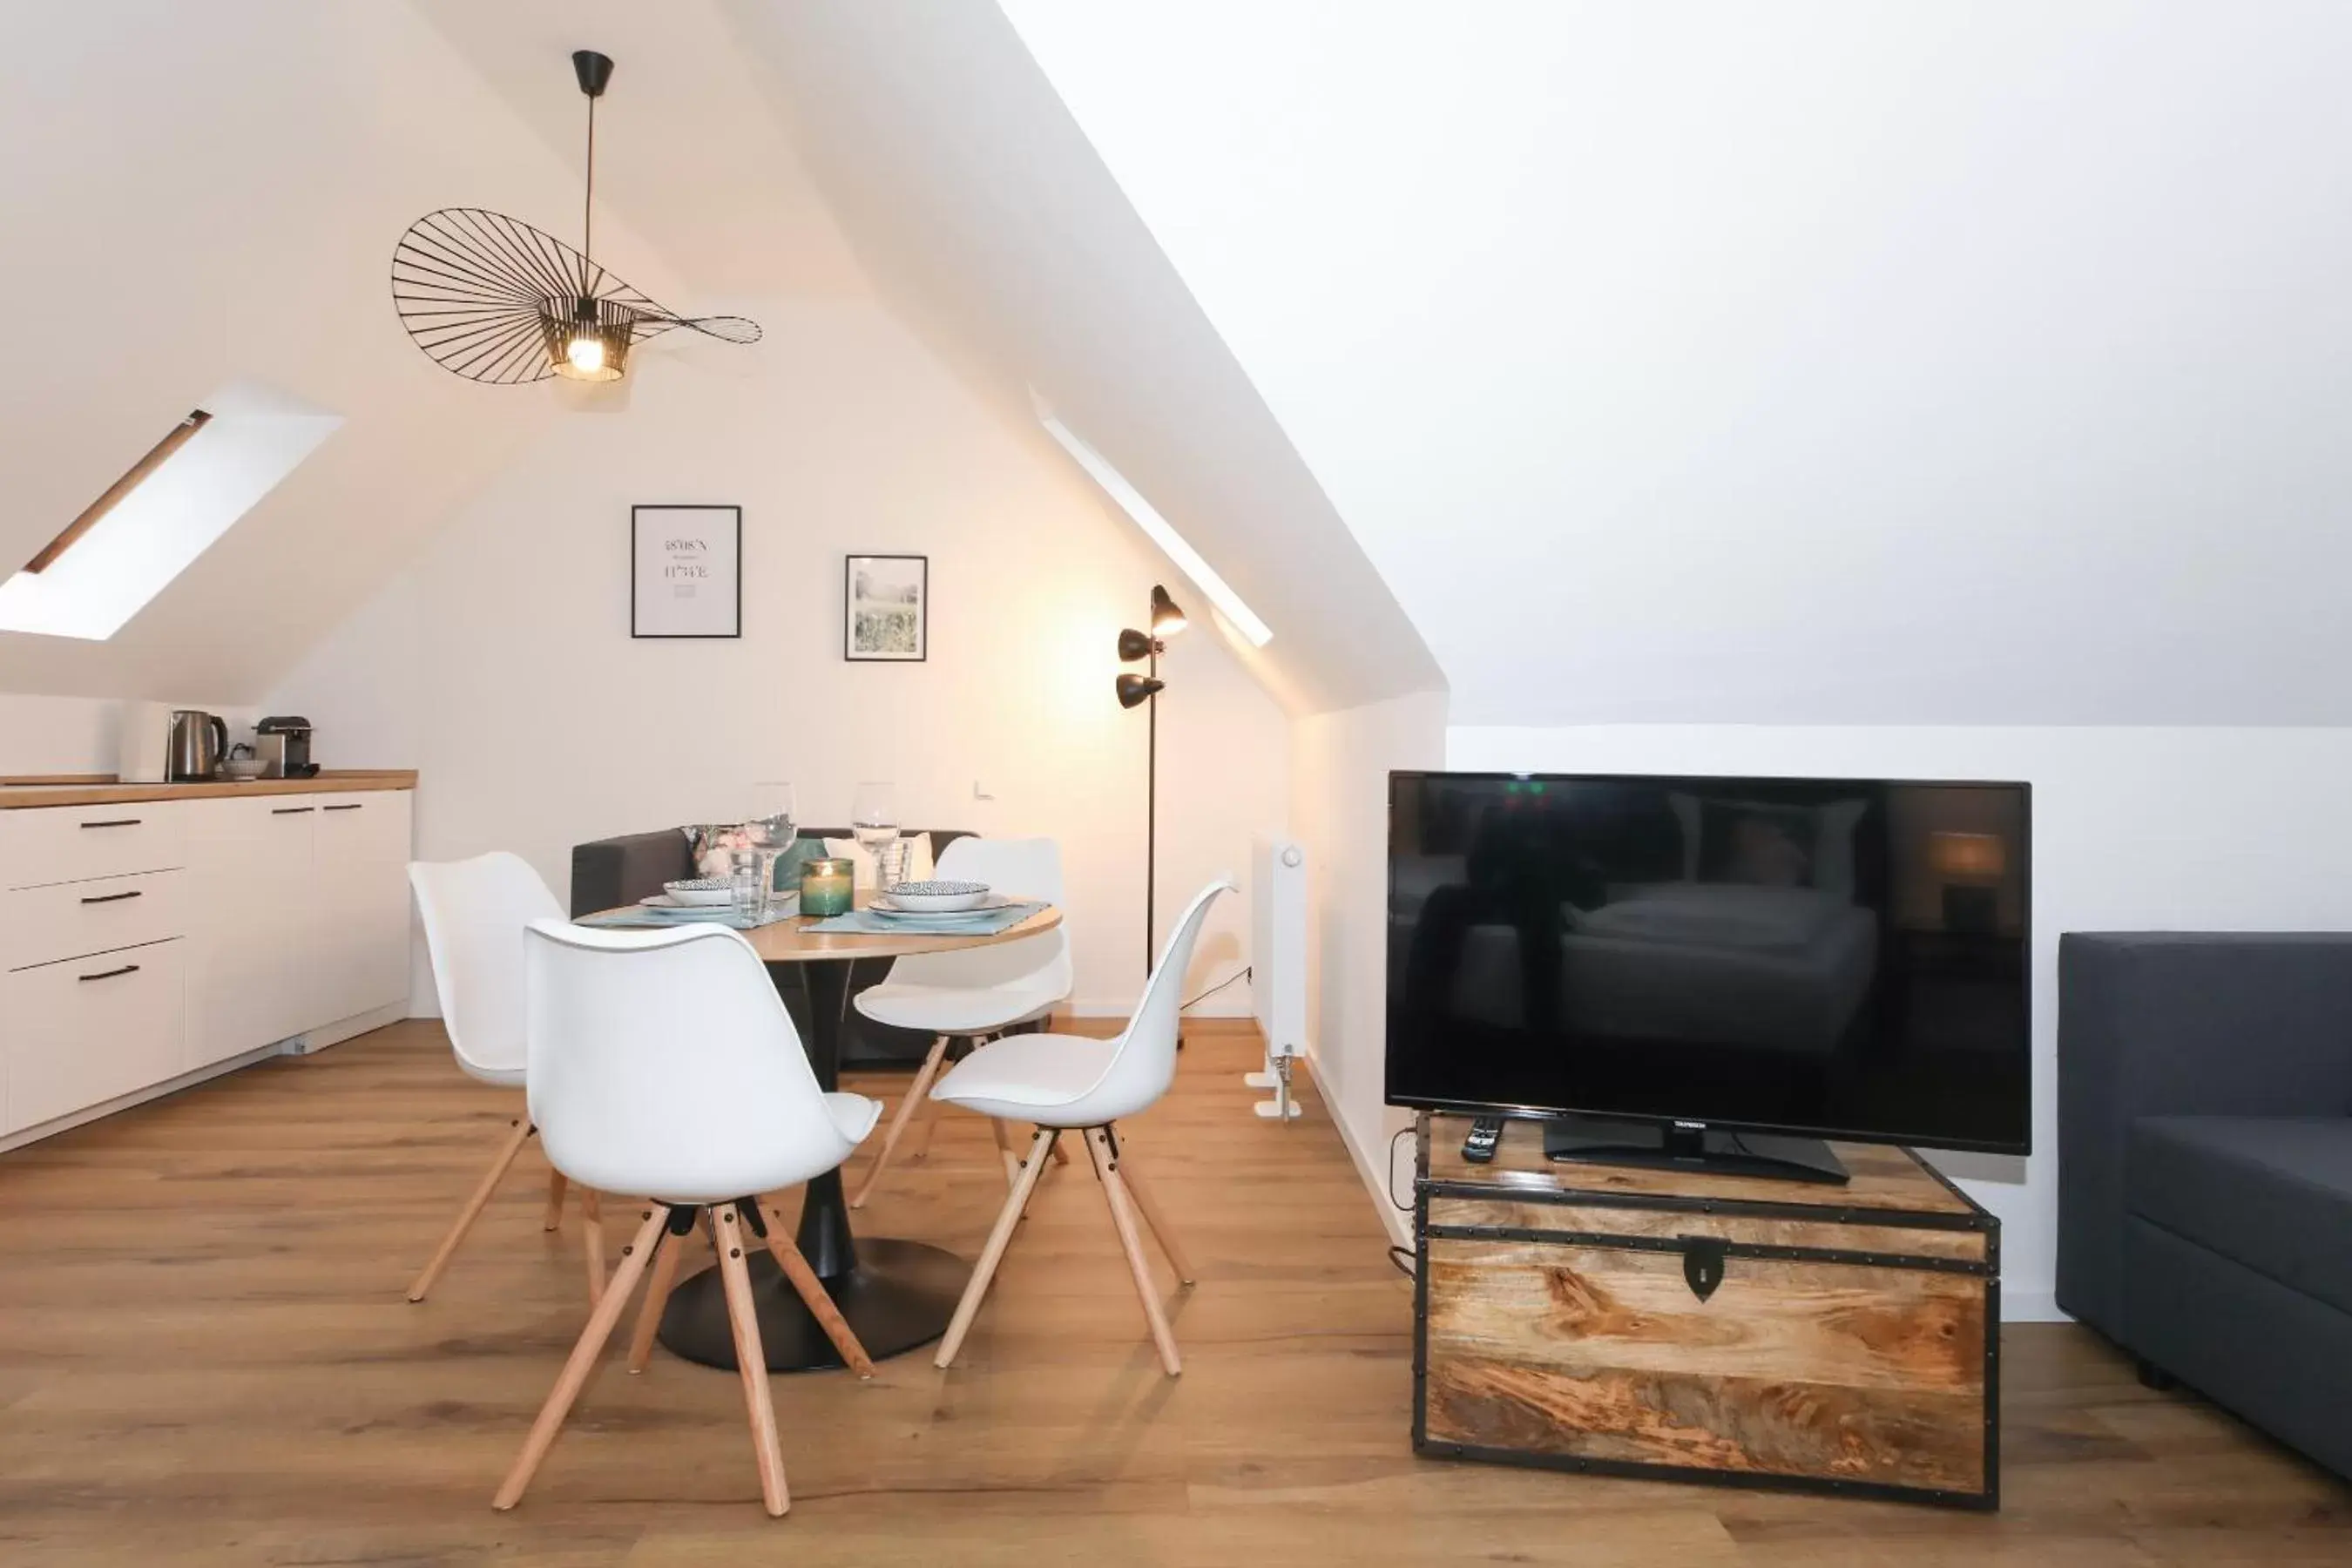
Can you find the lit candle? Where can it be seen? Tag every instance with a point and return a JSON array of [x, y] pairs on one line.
[[825, 887]]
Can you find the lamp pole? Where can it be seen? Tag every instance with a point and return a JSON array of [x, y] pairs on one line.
[[1165, 621], [1151, 808]]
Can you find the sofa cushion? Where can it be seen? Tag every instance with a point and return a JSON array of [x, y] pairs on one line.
[[2273, 1193]]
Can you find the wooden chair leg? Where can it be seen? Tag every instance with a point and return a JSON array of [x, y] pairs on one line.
[[592, 1217], [472, 1211], [1061, 1155], [815, 1296], [1007, 1218], [1004, 1151], [1098, 1148], [667, 1259], [918, 1093], [929, 1113], [1154, 1216], [1053, 1145], [751, 1359], [558, 1184], [582, 1363]]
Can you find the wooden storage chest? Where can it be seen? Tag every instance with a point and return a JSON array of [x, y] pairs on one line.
[[1706, 1327]]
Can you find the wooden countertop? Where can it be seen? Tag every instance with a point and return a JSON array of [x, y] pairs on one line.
[[18, 793]]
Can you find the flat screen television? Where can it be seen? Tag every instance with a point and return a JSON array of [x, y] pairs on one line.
[[1714, 970]]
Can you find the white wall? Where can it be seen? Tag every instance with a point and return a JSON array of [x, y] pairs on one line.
[[2134, 829], [1339, 768], [500, 663], [52, 735]]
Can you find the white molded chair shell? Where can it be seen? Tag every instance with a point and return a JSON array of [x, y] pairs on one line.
[[475, 911], [663, 1065], [1068, 1081], [980, 989]]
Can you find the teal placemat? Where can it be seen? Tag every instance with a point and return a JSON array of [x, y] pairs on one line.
[[642, 919], [865, 923]]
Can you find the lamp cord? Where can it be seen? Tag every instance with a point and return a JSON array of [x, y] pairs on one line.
[[588, 202]]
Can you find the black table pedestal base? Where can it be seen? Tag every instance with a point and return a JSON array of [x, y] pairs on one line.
[[899, 1296]]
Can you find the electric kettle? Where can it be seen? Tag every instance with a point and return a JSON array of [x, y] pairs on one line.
[[199, 741]]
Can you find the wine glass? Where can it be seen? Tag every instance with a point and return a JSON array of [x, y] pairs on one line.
[[771, 830], [873, 821], [773, 819], [874, 815]]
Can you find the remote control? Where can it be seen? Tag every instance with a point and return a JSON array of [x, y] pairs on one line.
[[1485, 1133]]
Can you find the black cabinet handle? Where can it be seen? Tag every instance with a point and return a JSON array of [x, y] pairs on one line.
[[109, 974], [112, 897], [116, 822], [353, 805], [293, 810]]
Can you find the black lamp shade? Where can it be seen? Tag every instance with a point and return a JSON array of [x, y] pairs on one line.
[[1167, 620], [1134, 688], [1133, 644]]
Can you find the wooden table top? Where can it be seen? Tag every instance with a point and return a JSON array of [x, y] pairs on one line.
[[792, 941], [1885, 1176]]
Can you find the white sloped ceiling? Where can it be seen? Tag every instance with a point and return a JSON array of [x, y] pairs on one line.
[[1819, 362]]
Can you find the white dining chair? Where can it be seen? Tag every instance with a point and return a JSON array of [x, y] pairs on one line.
[[475, 911], [970, 994], [663, 1064], [1061, 1083]]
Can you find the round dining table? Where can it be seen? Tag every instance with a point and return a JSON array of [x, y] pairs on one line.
[[896, 1295]]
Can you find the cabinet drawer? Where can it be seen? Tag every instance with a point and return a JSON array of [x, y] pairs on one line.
[[42, 845], [68, 919], [88, 1029]]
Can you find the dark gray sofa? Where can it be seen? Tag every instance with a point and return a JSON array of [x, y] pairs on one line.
[[611, 872], [2205, 1167]]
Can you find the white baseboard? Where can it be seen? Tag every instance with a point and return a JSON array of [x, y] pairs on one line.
[[89, 1113], [1373, 1168], [313, 1040], [2030, 1307], [1121, 1006]]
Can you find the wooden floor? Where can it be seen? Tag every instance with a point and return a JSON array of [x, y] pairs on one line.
[[205, 1357]]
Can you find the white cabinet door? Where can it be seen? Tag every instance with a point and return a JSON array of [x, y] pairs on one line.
[[252, 920], [359, 882], [88, 1029]]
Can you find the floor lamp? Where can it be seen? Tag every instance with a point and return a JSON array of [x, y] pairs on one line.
[[1135, 691]]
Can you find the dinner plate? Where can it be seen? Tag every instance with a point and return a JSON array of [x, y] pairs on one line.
[[934, 898], [890, 906]]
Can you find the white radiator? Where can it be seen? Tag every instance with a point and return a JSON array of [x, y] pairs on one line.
[[1278, 964]]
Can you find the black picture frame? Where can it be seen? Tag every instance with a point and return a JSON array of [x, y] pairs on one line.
[[639, 583], [922, 612]]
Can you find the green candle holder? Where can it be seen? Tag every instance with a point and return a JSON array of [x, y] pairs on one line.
[[828, 887]]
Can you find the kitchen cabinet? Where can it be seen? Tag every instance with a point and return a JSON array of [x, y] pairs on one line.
[[251, 980], [360, 880], [146, 941]]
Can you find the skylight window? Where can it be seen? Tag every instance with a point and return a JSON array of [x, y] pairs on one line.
[[1146, 517], [166, 511]]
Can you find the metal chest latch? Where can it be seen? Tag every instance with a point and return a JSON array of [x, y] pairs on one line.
[[1702, 1264]]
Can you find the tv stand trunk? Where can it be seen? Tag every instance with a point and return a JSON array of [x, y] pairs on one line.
[[1735, 1329]]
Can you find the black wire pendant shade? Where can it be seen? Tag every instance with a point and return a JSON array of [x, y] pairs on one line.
[[494, 299]]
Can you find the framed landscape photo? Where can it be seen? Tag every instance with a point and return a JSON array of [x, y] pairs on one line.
[[686, 571], [886, 608]]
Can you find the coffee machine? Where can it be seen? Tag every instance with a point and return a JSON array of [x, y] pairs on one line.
[[284, 746]]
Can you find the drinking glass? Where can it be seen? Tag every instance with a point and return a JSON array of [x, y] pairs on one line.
[[747, 870], [890, 864]]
